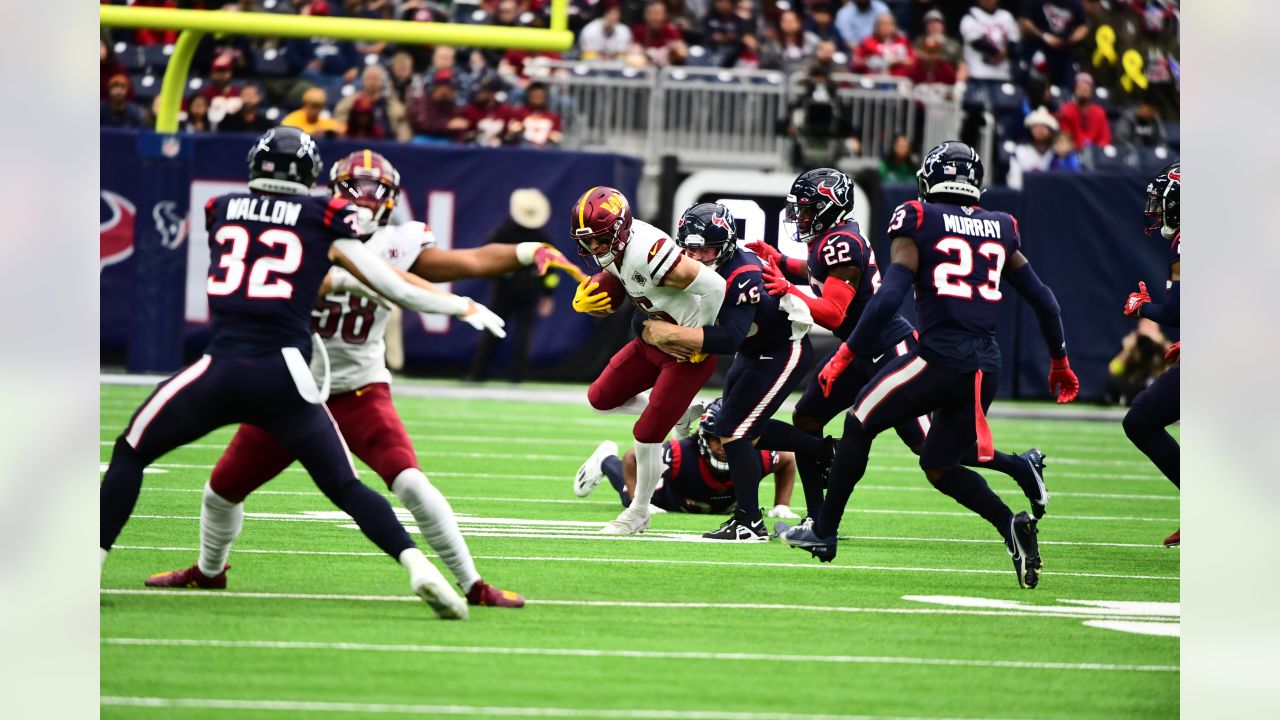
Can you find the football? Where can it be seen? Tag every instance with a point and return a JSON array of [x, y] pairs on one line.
[[609, 283]]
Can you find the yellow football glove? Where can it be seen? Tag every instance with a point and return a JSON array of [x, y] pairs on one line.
[[587, 300], [696, 357]]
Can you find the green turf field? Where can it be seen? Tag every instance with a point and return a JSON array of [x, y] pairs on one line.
[[920, 615]]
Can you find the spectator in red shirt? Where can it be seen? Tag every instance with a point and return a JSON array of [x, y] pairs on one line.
[[657, 39], [885, 51], [487, 118], [361, 122], [930, 66], [538, 125], [1082, 119], [222, 96], [435, 115], [108, 68]]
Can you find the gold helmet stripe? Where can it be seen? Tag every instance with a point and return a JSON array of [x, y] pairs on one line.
[[582, 207]]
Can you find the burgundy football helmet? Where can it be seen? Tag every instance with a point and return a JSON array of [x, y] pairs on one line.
[[600, 224], [369, 180]]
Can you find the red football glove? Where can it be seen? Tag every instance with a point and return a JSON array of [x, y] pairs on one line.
[[1062, 380], [767, 252], [774, 281], [1174, 353], [1136, 300], [834, 368]]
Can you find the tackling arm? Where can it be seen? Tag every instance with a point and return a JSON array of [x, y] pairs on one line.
[[896, 283], [700, 280]]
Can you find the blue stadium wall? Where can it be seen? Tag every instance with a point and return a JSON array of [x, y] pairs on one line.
[[1083, 233]]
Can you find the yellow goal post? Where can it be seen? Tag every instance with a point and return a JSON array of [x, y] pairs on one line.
[[195, 24]]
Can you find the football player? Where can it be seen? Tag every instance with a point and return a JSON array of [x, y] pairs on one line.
[[842, 274], [352, 326], [1156, 408], [270, 250], [769, 339], [695, 473], [662, 284], [955, 254]]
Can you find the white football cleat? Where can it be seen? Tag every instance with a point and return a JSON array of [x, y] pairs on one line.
[[687, 425], [628, 522], [592, 471], [436, 592]]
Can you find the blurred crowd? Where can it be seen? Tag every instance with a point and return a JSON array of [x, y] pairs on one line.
[[1068, 84]]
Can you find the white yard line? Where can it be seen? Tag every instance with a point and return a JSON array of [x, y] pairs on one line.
[[313, 706], [633, 654]]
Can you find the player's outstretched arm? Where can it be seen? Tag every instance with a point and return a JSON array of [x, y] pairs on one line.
[[440, 265], [1165, 313], [894, 286], [794, 268], [700, 280], [353, 256], [1062, 379]]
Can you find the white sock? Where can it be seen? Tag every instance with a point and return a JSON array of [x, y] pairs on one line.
[[220, 524], [648, 472], [437, 523], [634, 406], [416, 564]]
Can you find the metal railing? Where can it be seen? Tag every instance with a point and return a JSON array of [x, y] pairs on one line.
[[710, 117]]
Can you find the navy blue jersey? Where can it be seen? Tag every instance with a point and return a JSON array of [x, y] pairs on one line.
[[963, 250], [698, 487], [268, 255], [844, 246], [748, 304]]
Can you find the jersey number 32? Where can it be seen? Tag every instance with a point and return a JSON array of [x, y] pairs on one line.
[[261, 284]]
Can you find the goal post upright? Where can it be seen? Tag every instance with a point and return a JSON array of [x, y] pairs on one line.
[[194, 24]]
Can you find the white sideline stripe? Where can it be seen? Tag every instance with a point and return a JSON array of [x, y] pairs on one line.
[[871, 469], [634, 654], [1067, 613], [484, 710], [133, 433]]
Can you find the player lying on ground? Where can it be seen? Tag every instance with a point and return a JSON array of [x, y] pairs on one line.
[[353, 328], [663, 284], [955, 254], [270, 250], [769, 340], [1157, 407], [696, 476], [841, 272]]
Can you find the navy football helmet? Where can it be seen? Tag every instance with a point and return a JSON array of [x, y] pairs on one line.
[[1162, 201], [284, 160], [706, 429], [951, 173], [708, 225], [819, 200]]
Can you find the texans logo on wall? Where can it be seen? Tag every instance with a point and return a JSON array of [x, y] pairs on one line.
[[115, 228]]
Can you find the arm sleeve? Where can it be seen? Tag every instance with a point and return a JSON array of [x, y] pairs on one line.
[[795, 269], [829, 310], [886, 301], [1165, 313], [734, 321], [709, 287], [1041, 299], [386, 282]]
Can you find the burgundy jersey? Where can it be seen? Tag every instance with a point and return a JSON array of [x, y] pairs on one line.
[[963, 250], [844, 246], [702, 489], [268, 255]]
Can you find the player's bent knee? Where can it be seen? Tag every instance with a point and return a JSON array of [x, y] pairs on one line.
[[935, 475], [808, 424], [1135, 425], [649, 431]]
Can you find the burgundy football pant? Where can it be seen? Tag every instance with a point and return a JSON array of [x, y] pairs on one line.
[[639, 366]]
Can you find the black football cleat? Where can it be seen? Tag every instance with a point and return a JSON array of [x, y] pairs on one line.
[[739, 528], [1025, 550], [1032, 482], [802, 536]]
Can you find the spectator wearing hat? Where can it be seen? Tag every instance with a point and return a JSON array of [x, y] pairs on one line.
[[249, 118], [312, 118], [435, 116], [1082, 119], [885, 51], [1050, 30], [857, 21], [935, 27], [117, 109], [487, 117], [388, 112], [520, 297], [605, 38], [108, 67], [657, 39], [222, 96], [537, 125], [1035, 154]]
